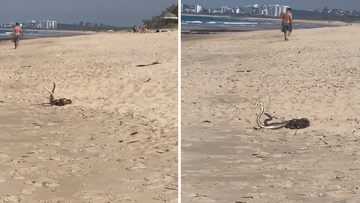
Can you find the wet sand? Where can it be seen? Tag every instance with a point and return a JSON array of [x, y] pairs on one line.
[[317, 22]]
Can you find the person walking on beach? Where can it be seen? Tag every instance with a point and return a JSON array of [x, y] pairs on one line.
[[16, 33], [287, 24]]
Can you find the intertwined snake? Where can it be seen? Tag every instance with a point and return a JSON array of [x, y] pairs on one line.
[[291, 124], [52, 100]]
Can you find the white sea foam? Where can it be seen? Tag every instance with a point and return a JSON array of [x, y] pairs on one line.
[[220, 23], [240, 23], [192, 22], [6, 33]]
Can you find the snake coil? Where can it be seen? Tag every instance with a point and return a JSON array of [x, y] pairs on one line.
[[52, 100], [290, 124]]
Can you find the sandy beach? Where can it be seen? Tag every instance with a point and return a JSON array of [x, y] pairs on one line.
[[226, 159], [117, 142]]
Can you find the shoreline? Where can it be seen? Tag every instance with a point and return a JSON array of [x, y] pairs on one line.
[[218, 31], [316, 22], [196, 35], [51, 31], [9, 39], [209, 31], [61, 34]]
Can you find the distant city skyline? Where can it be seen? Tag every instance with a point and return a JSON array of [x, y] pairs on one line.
[[296, 4], [271, 10], [113, 12]]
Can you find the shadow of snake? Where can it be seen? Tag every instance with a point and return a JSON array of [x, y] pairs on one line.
[[52, 100], [290, 124]]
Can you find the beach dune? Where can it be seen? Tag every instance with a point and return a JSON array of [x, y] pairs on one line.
[[314, 75], [117, 142]]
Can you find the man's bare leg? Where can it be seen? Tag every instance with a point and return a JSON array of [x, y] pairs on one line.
[[285, 35]]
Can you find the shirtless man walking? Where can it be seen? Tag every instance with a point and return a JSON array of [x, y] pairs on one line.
[[16, 33], [287, 23]]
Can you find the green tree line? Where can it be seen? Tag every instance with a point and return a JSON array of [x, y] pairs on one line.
[[158, 22]]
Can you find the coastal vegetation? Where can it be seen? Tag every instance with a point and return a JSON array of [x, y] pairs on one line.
[[158, 22]]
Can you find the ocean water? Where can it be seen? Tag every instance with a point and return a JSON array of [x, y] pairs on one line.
[[207, 22], [6, 34]]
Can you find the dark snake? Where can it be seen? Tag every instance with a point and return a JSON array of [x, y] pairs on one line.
[[290, 124]]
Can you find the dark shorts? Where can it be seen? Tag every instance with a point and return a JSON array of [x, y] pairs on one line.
[[16, 38], [286, 27]]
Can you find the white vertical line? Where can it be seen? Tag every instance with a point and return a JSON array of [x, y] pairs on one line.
[[179, 101]]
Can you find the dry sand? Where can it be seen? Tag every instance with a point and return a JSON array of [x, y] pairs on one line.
[[314, 75], [117, 142]]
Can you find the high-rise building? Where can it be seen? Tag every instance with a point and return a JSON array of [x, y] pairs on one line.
[[264, 10], [48, 24], [224, 9], [248, 9], [255, 9], [277, 10], [271, 10], [45, 24], [53, 25], [197, 9]]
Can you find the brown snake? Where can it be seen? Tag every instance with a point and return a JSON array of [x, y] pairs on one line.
[[52, 100]]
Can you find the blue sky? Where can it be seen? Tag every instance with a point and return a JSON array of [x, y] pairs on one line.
[[295, 4], [114, 12]]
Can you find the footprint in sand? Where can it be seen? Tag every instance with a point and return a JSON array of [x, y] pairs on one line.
[[29, 191], [46, 183], [337, 194], [11, 198], [199, 197]]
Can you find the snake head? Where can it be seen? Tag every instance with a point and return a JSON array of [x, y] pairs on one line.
[[261, 103]]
